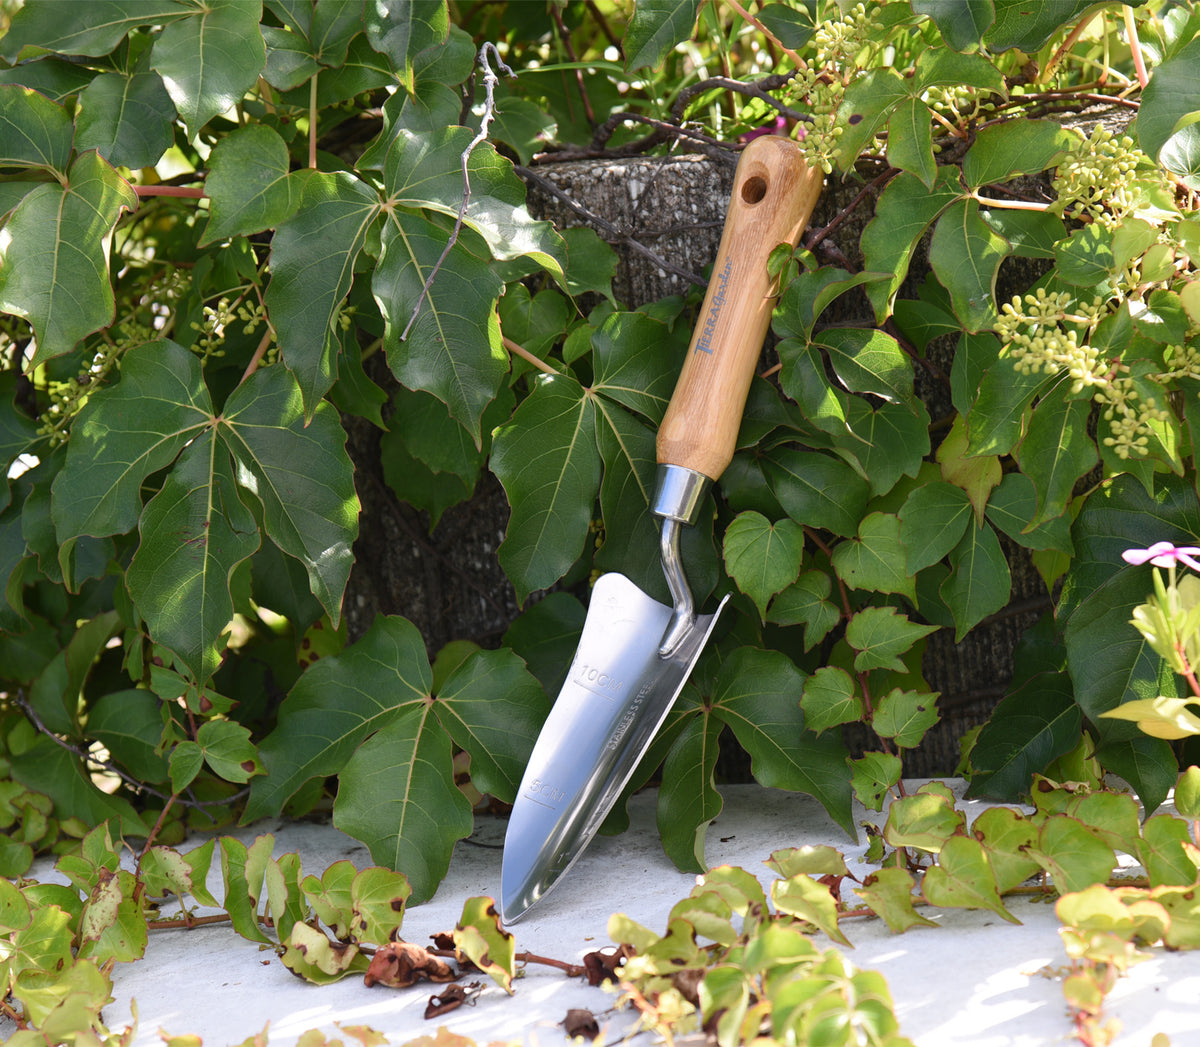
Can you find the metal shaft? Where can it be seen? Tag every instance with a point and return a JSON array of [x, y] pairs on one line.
[[678, 495]]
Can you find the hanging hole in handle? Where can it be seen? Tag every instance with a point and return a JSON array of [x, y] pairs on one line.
[[754, 189]]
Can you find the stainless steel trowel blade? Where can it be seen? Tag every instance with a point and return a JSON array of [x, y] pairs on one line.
[[616, 695]]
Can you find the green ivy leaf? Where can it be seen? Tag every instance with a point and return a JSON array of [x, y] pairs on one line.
[[334, 705], [807, 603], [803, 378], [962, 23], [866, 107], [312, 266], [910, 140], [210, 59], [493, 709], [881, 635], [688, 800], [1029, 28], [124, 433], [194, 533], [757, 695], [127, 118], [34, 131], [248, 185], [943, 67], [933, 520], [763, 557], [924, 819], [1172, 94], [1055, 452], [228, 750], [480, 937], [96, 28], [873, 775], [401, 30], [655, 28], [129, 725], [888, 442], [1163, 852], [889, 894], [869, 362], [1011, 509], [1005, 150], [1086, 258], [995, 420], [830, 699], [54, 257], [963, 879], [816, 490], [310, 955], [186, 761], [875, 559], [301, 474], [979, 583], [1031, 727], [378, 898], [905, 716], [966, 253], [1073, 855], [904, 210], [810, 900], [424, 171], [397, 795], [453, 349], [547, 460]]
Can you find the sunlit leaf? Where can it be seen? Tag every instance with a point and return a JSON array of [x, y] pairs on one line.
[[54, 255]]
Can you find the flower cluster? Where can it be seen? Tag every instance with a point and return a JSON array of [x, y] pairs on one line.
[[1051, 332], [1047, 332], [1100, 178]]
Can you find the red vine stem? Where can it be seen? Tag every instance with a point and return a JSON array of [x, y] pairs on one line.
[[1139, 62], [1189, 673]]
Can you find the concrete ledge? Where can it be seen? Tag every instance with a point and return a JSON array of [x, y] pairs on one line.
[[972, 981]]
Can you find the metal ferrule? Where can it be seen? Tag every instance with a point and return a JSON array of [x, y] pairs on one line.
[[678, 493]]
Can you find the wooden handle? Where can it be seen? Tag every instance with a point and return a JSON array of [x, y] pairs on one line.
[[774, 193]]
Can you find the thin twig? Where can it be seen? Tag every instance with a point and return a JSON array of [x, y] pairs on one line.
[[111, 768], [748, 17], [525, 354], [259, 353], [1071, 40], [194, 192], [1010, 205], [490, 79]]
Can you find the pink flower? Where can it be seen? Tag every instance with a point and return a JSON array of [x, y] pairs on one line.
[[1164, 554]]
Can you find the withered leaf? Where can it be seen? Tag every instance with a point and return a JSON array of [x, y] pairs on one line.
[[600, 967], [402, 964], [449, 999], [581, 1022]]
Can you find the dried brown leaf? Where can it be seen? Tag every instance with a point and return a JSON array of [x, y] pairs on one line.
[[581, 1022], [403, 964]]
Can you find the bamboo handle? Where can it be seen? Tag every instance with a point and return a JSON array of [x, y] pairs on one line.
[[774, 193]]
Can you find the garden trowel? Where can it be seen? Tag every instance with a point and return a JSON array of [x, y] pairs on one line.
[[635, 653]]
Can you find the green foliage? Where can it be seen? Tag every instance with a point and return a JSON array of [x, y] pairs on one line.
[[224, 230]]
